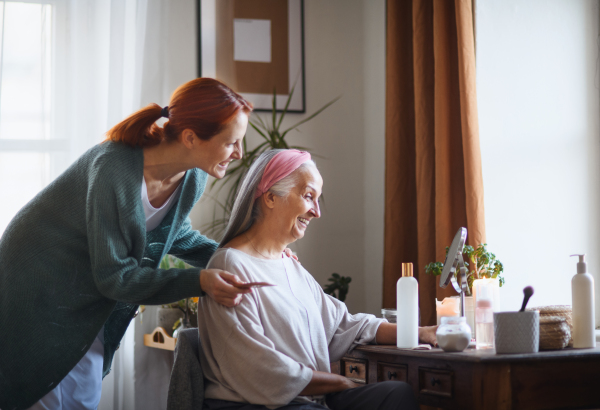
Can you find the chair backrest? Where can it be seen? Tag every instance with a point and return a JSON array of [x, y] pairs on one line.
[[186, 387]]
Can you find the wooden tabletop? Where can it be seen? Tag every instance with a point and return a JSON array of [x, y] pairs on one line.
[[487, 355]]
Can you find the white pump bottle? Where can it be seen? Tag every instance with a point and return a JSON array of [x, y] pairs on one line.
[[582, 292], [407, 305]]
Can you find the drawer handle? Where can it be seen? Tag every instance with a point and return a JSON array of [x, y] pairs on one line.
[[390, 375], [435, 381], [353, 369]]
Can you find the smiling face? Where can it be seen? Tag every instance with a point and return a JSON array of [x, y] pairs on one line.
[[295, 212], [214, 155]]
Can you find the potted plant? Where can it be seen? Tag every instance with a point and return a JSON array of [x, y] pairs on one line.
[[180, 314], [484, 265], [269, 129], [338, 288], [480, 264]]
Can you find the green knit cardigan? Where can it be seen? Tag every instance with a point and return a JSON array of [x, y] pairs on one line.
[[78, 257]]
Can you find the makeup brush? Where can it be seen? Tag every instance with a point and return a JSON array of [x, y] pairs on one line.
[[527, 292]]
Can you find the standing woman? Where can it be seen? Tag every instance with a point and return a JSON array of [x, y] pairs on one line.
[[80, 257]]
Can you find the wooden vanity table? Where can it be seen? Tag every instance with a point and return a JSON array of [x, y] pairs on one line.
[[480, 379]]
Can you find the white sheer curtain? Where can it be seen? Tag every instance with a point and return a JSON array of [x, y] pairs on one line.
[[122, 55], [100, 68], [99, 80], [69, 71]]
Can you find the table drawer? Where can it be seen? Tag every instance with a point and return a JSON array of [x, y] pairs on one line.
[[355, 370], [386, 371], [435, 382]]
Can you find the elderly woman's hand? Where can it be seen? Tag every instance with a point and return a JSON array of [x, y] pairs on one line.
[[219, 285], [427, 335]]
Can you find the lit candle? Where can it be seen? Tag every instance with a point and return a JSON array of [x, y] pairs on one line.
[[448, 307]]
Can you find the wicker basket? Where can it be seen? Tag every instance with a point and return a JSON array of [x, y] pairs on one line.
[[554, 333], [563, 311]]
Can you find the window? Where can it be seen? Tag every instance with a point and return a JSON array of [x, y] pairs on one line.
[[69, 71], [30, 153]]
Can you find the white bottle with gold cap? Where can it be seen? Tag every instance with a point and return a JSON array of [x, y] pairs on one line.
[[407, 306]]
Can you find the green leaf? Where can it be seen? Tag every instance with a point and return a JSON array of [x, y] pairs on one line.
[[164, 262], [434, 268], [263, 124], [339, 284], [313, 115], [177, 324], [259, 131], [287, 104], [274, 108]]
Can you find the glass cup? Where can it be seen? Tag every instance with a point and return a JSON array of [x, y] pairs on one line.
[[390, 315]]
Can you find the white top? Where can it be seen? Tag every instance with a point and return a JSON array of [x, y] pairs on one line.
[[154, 216], [264, 350]]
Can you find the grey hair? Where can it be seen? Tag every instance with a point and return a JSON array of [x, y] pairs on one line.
[[245, 208]]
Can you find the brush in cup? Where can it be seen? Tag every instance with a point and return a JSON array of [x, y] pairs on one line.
[[518, 332]]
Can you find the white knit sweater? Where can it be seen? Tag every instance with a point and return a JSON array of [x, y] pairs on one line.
[[264, 350]]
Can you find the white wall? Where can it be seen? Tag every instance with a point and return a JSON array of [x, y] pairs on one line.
[[374, 152], [538, 103], [344, 56]]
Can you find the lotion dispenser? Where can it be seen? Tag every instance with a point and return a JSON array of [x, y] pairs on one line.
[[582, 292], [407, 309]]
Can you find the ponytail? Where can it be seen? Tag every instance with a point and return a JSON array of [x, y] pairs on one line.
[[139, 129], [203, 105]]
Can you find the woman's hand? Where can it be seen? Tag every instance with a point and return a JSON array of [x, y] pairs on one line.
[[220, 285], [386, 334], [323, 383], [289, 254], [427, 335]]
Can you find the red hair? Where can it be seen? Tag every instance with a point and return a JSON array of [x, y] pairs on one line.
[[203, 105]]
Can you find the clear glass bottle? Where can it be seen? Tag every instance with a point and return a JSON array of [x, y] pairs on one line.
[[484, 324]]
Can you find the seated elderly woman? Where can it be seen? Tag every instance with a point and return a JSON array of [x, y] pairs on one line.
[[274, 348]]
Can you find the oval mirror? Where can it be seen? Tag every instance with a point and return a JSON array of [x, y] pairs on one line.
[[451, 263]]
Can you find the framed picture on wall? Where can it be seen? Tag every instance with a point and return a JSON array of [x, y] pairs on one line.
[[256, 47]]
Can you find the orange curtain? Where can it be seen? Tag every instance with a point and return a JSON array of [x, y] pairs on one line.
[[433, 176]]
